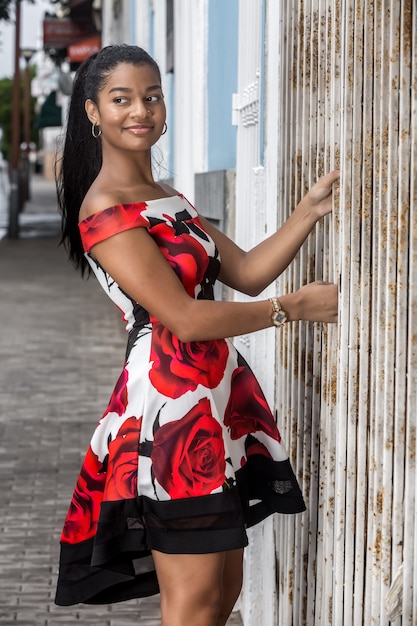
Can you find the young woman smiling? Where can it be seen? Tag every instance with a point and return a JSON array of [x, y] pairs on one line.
[[187, 454]]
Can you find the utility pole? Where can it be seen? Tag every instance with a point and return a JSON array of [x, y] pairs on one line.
[[14, 203], [27, 54]]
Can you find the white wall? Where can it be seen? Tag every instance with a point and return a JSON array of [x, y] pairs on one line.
[[117, 16], [190, 40]]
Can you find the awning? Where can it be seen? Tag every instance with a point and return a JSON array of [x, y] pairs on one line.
[[81, 50]]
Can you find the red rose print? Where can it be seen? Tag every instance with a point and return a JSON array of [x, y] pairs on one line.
[[110, 221], [118, 400], [256, 447], [122, 469], [180, 367], [188, 455], [81, 521], [184, 253], [247, 410]]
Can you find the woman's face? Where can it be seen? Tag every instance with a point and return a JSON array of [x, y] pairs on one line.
[[130, 109]]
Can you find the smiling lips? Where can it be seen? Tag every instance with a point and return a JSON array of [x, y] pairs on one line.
[[139, 129]]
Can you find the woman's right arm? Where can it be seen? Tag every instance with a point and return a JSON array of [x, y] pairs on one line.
[[135, 262]]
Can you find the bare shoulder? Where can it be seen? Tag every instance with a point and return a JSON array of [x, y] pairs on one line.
[[100, 197], [170, 191], [95, 201]]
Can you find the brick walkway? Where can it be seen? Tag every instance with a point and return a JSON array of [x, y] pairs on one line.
[[57, 370]]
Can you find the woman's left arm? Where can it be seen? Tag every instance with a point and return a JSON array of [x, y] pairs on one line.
[[250, 272]]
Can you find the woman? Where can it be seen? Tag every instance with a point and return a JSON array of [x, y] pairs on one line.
[[187, 453]]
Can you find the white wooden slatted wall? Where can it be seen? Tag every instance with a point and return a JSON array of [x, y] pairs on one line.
[[347, 397]]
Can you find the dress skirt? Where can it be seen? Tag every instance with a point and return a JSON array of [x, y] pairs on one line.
[[187, 454]]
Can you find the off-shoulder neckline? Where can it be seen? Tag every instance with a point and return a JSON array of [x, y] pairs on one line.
[[124, 204]]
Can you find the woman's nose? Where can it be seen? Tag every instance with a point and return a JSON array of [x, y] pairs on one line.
[[140, 109]]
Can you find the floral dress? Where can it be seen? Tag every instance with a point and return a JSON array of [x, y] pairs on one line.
[[187, 454]]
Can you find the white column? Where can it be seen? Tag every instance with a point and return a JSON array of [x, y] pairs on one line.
[[190, 43]]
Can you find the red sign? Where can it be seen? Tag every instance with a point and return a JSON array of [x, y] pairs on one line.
[[73, 4], [60, 33], [81, 50]]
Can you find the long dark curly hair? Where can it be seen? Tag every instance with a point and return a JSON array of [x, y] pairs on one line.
[[81, 156]]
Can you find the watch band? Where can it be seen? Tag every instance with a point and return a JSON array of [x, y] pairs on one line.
[[279, 317]]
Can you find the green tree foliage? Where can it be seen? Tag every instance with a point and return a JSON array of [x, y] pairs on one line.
[[6, 87], [7, 9]]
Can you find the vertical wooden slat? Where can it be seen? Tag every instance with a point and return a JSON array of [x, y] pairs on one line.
[[331, 418], [286, 526], [409, 605], [348, 320], [317, 168], [325, 487], [403, 224], [282, 527], [392, 413], [347, 444], [313, 345], [363, 173], [297, 274], [381, 407], [302, 413]]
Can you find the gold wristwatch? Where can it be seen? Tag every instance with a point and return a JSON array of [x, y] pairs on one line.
[[279, 316]]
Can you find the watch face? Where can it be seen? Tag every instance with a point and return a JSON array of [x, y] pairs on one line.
[[280, 318]]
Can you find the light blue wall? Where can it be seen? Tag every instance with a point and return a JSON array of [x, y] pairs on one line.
[[222, 82]]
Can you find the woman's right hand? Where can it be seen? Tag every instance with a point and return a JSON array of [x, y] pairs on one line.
[[319, 198], [314, 302]]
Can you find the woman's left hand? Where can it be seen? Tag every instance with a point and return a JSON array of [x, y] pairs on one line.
[[319, 198]]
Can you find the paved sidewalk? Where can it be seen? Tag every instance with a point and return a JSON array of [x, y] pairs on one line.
[[58, 366], [39, 216]]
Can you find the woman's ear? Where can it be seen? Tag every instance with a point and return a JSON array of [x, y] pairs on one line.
[[92, 112]]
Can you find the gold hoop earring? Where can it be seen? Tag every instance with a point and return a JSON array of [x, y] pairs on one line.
[[165, 129], [95, 135]]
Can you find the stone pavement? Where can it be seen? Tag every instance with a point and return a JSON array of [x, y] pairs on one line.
[[58, 366]]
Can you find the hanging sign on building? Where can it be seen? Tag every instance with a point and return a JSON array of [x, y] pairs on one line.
[[60, 33], [81, 50]]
